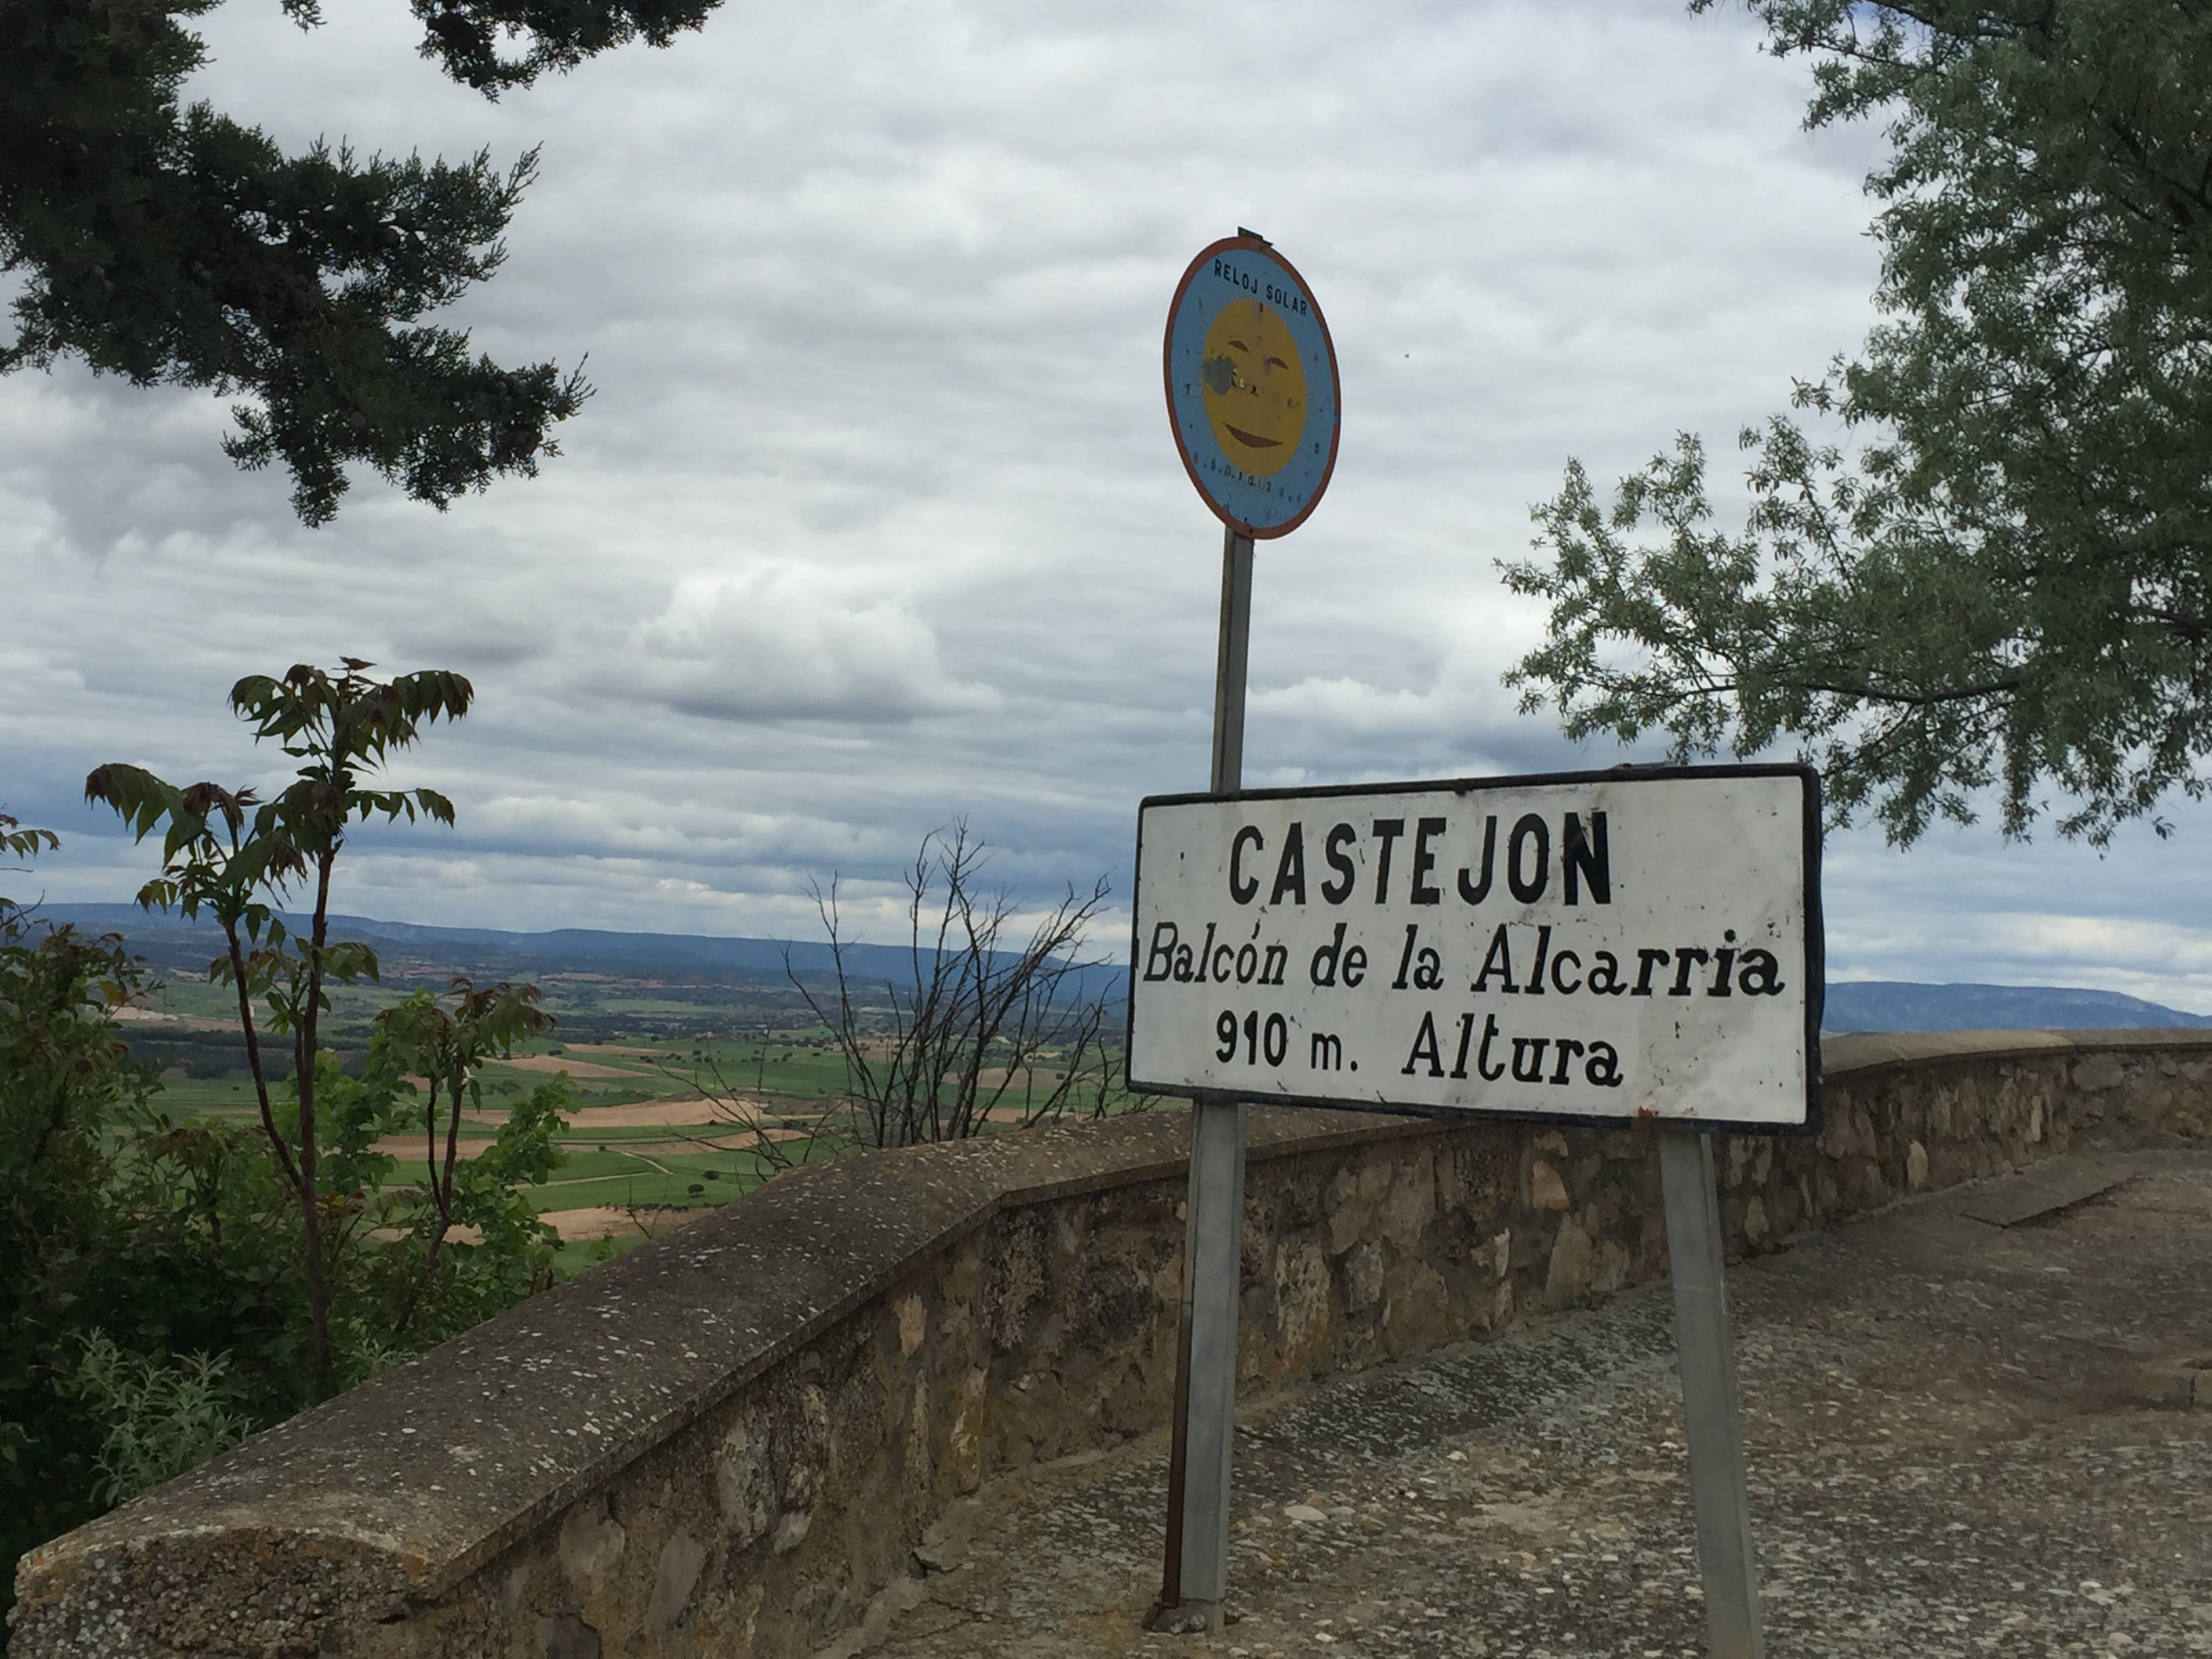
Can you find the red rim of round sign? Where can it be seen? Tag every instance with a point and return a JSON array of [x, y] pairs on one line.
[[1336, 391]]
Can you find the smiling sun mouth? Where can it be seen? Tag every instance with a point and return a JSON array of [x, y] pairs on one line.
[[1252, 441]]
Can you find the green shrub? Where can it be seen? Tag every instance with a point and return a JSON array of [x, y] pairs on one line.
[[161, 1417]]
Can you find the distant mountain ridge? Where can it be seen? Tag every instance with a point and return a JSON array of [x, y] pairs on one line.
[[1877, 1004], [1852, 1005], [170, 941], [570, 949]]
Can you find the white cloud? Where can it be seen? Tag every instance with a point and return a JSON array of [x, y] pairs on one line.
[[775, 645]]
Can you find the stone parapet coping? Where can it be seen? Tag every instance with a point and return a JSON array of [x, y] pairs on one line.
[[1862, 1051], [403, 1487]]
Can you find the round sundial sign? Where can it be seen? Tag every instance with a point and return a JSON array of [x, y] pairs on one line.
[[1252, 386]]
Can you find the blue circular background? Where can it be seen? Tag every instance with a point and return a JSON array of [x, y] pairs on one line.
[[1238, 270]]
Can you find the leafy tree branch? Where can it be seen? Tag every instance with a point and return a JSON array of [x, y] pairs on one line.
[[2005, 589], [446, 1045], [169, 243], [220, 862]]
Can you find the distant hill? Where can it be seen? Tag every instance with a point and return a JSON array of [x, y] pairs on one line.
[[409, 951], [1881, 1005]]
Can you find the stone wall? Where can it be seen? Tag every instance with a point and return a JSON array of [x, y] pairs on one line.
[[727, 1442]]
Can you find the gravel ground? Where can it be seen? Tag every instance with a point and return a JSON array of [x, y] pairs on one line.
[[1949, 1425]]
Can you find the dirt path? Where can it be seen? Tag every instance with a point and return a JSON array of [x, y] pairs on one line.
[[409, 1149], [691, 1111], [553, 1064], [586, 1180], [687, 1109], [603, 1221]]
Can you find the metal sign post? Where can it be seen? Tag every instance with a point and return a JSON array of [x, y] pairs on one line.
[[1595, 948], [1252, 398], [1706, 1352], [1196, 1572]]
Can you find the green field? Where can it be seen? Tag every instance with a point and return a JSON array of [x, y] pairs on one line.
[[656, 1170], [618, 1164]]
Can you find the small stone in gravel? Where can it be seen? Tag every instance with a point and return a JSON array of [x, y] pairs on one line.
[[1304, 1512]]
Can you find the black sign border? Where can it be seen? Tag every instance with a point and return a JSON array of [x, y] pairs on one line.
[[1814, 965]]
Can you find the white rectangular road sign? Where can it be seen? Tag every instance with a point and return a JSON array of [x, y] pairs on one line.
[[1593, 946]]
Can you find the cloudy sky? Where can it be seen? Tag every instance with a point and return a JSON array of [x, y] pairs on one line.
[[874, 519]]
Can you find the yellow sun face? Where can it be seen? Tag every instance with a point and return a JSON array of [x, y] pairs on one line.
[[1255, 386]]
